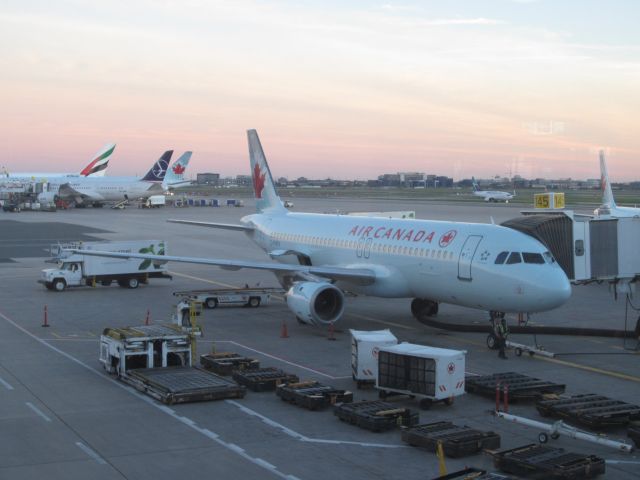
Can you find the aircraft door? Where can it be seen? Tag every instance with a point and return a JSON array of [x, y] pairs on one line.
[[367, 247], [466, 256], [360, 248]]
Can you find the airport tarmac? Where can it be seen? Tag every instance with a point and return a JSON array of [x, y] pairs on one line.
[[63, 417]]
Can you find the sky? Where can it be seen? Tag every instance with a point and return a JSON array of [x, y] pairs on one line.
[[340, 89]]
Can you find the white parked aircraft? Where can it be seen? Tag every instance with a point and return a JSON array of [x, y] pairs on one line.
[[491, 195], [174, 178], [320, 256], [95, 168], [609, 207], [109, 189]]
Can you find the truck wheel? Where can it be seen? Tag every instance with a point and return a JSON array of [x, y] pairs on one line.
[[133, 282], [211, 303], [492, 342], [59, 285], [254, 302]]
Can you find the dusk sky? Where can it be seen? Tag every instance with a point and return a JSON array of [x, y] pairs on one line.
[[341, 89]]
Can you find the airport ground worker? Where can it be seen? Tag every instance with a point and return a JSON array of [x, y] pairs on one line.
[[501, 332]]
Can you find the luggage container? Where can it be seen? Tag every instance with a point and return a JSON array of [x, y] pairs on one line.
[[428, 373], [214, 202], [202, 202], [520, 387], [364, 354], [190, 202], [590, 409]]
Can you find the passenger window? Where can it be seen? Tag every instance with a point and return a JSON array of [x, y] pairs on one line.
[[514, 257], [532, 258], [502, 256]]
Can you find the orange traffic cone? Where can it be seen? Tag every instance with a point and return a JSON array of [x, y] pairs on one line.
[[284, 333]]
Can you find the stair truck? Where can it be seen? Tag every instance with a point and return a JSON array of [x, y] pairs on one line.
[[74, 269]]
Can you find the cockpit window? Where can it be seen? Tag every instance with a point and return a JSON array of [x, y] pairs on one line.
[[548, 257], [502, 256], [514, 257], [532, 257]]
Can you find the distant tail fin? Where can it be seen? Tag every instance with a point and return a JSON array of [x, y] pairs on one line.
[[175, 174], [98, 165], [607, 194], [263, 186], [159, 169], [474, 184]]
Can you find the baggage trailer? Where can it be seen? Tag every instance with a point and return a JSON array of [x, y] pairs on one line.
[[264, 379], [456, 441], [427, 373], [157, 360], [76, 269], [591, 410], [225, 363], [313, 395], [246, 297], [520, 387], [472, 473], [365, 346], [375, 415], [541, 461]]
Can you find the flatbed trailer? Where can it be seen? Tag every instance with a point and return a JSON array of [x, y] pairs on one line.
[[472, 473], [264, 379], [591, 410], [313, 395], [544, 462], [375, 415], [225, 363], [456, 441], [246, 297], [519, 386]]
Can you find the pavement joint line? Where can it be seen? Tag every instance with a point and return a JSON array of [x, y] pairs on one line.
[[5, 384], [91, 453], [588, 368], [38, 412], [304, 438], [145, 399]]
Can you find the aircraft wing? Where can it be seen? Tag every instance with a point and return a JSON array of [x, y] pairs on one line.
[[225, 226], [66, 190], [360, 276]]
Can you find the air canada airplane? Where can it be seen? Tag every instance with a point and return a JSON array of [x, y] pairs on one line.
[[609, 207], [96, 167], [491, 195], [319, 256]]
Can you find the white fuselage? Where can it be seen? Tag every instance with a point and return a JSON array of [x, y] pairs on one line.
[[448, 262], [492, 195], [105, 188]]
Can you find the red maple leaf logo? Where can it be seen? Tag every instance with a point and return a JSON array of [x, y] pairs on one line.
[[178, 169], [258, 180], [447, 238]]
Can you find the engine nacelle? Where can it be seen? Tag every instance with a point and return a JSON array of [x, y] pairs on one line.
[[47, 197], [316, 303]]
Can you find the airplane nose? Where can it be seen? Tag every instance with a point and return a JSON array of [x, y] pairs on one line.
[[555, 292]]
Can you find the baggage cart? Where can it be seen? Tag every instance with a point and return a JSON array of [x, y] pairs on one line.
[[313, 395], [225, 363], [456, 441], [590, 409], [376, 416], [365, 346], [263, 379], [520, 387]]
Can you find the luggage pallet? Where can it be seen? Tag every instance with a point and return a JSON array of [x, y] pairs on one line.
[[472, 473], [313, 395], [521, 387], [224, 363], [375, 416], [263, 379], [456, 441], [590, 409], [541, 461]]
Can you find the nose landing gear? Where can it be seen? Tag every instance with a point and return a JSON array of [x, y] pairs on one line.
[[421, 307]]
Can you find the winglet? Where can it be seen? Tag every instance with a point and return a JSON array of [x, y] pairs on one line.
[[263, 185], [99, 163]]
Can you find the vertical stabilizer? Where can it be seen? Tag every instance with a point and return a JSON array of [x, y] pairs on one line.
[[97, 167], [175, 174], [263, 186], [159, 169], [474, 184], [605, 185]]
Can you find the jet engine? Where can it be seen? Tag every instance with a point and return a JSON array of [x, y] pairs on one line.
[[315, 303], [47, 197]]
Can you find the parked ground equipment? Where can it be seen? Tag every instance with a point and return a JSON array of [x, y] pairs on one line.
[[263, 379], [375, 415], [634, 434], [313, 395], [541, 461], [225, 363], [520, 387], [428, 373], [365, 346], [590, 409], [75, 269], [472, 473], [456, 441], [246, 297], [157, 359]]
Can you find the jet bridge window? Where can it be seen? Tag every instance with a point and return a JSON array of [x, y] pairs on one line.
[[532, 257], [514, 257], [502, 256]]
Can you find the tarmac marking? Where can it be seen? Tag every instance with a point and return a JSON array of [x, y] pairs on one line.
[[149, 401], [304, 438], [6, 384], [609, 373], [38, 412], [91, 453]]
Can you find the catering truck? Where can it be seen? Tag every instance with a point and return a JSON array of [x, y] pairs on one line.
[[75, 269]]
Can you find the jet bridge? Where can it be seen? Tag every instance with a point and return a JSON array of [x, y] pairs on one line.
[[589, 249]]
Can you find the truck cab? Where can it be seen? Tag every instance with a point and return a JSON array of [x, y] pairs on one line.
[[68, 274]]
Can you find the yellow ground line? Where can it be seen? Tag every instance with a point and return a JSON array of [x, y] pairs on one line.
[[609, 373], [213, 282], [55, 335]]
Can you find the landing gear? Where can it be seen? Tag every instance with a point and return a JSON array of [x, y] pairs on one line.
[[421, 307]]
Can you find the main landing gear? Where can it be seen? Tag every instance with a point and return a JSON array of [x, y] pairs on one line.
[[492, 340], [421, 307]]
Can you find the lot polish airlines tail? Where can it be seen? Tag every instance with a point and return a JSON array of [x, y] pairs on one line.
[[97, 167], [159, 169]]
